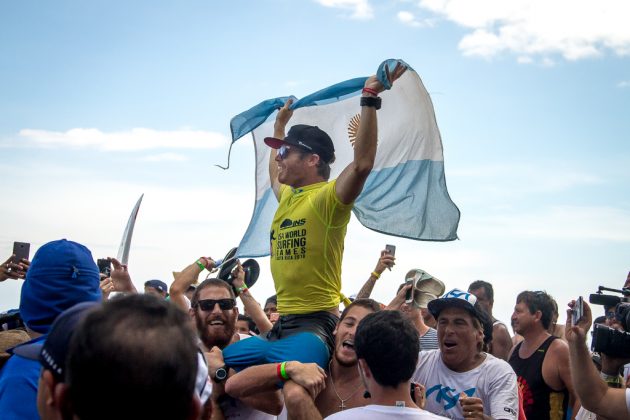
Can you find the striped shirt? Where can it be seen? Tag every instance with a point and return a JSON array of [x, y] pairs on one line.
[[429, 340]]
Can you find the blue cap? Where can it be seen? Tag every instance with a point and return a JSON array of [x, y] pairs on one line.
[[454, 298], [158, 285], [62, 274]]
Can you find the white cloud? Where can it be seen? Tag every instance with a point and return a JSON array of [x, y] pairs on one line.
[[408, 18], [132, 140], [573, 29], [623, 84], [361, 9]]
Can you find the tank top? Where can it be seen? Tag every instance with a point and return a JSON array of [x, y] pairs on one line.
[[539, 400]]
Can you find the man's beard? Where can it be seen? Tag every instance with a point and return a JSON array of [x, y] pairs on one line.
[[217, 338], [345, 363]]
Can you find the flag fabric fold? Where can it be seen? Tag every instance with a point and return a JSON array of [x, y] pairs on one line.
[[405, 194]]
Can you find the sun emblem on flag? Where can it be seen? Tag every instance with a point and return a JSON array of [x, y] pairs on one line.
[[353, 128]]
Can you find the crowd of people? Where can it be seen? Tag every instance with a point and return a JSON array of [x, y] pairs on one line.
[[86, 344]]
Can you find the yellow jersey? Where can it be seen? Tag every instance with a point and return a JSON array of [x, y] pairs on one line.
[[307, 239]]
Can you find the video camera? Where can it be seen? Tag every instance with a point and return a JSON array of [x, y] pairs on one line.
[[607, 340]]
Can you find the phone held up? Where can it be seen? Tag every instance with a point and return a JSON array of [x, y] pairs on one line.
[[104, 266], [391, 250], [21, 251], [578, 311]]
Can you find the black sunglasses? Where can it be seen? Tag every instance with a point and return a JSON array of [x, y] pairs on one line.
[[224, 304]]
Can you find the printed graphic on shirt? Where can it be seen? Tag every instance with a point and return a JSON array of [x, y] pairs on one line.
[[447, 396], [290, 241]]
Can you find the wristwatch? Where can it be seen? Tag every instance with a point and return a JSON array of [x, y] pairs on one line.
[[220, 374]]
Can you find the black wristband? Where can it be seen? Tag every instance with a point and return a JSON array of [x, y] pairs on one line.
[[372, 101]]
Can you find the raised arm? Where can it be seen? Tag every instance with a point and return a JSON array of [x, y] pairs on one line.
[[350, 182], [592, 391], [121, 278], [12, 270], [249, 303], [385, 261], [185, 278], [279, 128]]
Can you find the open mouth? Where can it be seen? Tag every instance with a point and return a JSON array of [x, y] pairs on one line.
[[348, 344], [216, 322], [450, 344]]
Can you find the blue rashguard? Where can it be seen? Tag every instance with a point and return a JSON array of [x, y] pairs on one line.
[[18, 387]]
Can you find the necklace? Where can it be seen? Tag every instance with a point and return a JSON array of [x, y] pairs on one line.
[[342, 406]]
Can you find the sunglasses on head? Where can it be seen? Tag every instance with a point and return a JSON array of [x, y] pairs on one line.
[[224, 304]]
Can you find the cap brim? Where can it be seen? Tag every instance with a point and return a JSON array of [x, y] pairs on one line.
[[274, 143], [28, 351], [437, 305]]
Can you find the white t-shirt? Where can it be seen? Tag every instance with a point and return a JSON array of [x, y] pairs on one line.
[[628, 399], [494, 381], [383, 412]]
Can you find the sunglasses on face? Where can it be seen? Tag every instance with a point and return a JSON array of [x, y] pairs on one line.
[[224, 304], [283, 151]]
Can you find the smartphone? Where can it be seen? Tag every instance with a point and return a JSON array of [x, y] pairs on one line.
[[391, 249], [409, 293], [21, 251], [578, 311], [104, 266]]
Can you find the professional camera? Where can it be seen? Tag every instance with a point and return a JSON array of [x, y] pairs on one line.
[[610, 341]]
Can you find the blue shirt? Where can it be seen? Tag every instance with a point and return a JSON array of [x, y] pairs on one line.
[[18, 387]]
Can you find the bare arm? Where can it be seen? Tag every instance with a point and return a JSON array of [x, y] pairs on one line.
[[249, 303], [300, 404], [564, 372], [184, 279], [11, 270], [501, 342], [121, 278], [279, 127], [385, 261], [263, 378], [593, 392], [397, 302], [350, 181]]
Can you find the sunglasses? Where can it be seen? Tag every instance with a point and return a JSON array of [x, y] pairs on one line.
[[283, 151], [224, 304]]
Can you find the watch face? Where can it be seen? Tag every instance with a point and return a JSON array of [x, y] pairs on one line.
[[220, 374]]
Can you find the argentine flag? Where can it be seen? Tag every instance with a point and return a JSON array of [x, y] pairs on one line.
[[405, 194]]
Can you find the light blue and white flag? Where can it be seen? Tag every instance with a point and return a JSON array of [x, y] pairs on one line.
[[405, 194]]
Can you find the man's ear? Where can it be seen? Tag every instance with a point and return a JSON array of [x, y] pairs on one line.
[[47, 387], [63, 403], [313, 159]]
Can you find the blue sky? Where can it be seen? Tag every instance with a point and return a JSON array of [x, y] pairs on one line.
[[102, 101]]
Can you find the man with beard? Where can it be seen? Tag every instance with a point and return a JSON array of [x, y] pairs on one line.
[[304, 396], [214, 312], [461, 380]]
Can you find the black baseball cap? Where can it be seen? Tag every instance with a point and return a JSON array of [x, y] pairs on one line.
[[310, 138], [52, 351]]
